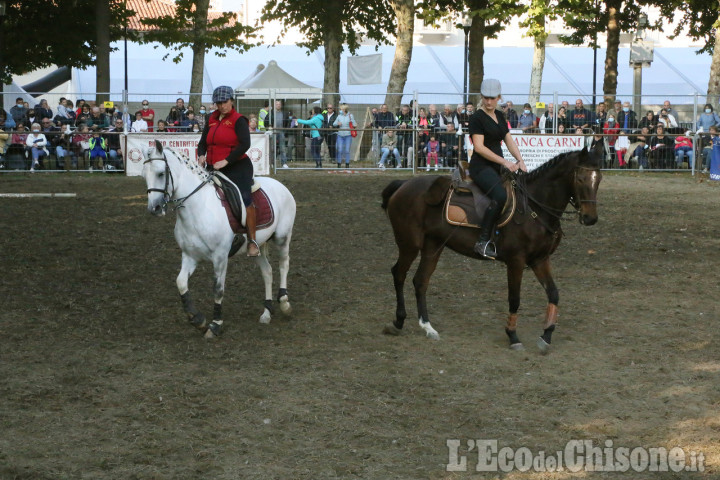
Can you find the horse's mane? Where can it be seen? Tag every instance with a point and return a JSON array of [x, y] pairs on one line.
[[549, 165], [191, 164]]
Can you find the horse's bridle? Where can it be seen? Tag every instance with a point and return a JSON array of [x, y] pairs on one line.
[[573, 201], [168, 179]]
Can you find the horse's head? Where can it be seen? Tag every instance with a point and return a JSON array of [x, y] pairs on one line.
[[585, 185], [158, 178]]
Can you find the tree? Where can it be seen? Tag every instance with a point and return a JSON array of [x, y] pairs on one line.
[[701, 20], [488, 18], [330, 24], [405, 16], [538, 11], [191, 27], [53, 33], [102, 63], [609, 16]]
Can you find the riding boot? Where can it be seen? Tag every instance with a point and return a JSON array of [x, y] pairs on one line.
[[251, 225], [484, 246]]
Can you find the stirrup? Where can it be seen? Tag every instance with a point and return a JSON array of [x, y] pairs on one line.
[[253, 242], [237, 243], [486, 248]]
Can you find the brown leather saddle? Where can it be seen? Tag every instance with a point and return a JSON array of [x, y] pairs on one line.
[[465, 203], [231, 200]]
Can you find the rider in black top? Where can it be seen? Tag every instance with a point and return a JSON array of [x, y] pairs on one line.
[[488, 128]]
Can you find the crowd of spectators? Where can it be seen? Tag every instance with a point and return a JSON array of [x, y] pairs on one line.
[[83, 134]]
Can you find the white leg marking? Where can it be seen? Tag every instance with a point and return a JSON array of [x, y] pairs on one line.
[[285, 305], [265, 317], [429, 330]]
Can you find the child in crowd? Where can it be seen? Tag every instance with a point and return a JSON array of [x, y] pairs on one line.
[[97, 150], [433, 147]]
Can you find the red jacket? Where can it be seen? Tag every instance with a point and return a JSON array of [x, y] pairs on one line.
[[221, 137]]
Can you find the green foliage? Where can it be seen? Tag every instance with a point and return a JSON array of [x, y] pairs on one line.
[[494, 14], [588, 18], [180, 31], [40, 33], [351, 19], [698, 18]]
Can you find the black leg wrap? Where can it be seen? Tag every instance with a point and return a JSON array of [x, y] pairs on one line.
[[188, 304], [215, 328], [217, 311], [512, 335], [281, 293], [269, 305], [547, 334]]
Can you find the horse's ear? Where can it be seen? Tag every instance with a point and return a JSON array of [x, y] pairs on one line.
[[158, 146]]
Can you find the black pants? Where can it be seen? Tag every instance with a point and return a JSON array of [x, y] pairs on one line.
[[331, 144], [490, 182], [241, 173]]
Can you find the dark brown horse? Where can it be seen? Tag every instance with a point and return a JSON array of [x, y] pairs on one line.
[[415, 209]]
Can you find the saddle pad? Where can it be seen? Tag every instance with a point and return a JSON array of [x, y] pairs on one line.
[[263, 210], [466, 209]]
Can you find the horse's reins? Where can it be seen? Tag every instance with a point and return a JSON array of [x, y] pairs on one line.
[[169, 178]]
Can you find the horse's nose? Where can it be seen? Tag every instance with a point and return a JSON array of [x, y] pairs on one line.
[[156, 210], [588, 219]]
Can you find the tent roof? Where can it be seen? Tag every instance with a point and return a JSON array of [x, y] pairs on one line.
[[275, 78]]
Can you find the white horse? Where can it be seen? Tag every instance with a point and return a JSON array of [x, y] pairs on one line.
[[203, 232]]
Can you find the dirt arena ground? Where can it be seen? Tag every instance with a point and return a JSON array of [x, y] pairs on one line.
[[102, 377]]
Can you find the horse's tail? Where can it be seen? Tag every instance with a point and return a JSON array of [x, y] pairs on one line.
[[389, 191]]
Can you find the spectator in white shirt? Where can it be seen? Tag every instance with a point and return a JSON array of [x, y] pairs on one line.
[[139, 125]]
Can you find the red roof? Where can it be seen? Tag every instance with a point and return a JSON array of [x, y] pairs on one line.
[[153, 9]]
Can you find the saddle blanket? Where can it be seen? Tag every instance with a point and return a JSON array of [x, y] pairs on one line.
[[264, 210]]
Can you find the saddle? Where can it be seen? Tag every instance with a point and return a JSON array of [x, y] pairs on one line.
[[465, 203], [229, 195]]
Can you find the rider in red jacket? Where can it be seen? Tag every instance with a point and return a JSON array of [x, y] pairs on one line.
[[224, 141]]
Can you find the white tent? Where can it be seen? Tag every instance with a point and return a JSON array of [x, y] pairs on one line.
[[276, 81]]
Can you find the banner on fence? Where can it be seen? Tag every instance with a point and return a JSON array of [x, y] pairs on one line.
[[138, 143], [538, 149]]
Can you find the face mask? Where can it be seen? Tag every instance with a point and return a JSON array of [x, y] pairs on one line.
[[707, 110], [36, 131], [145, 107], [527, 112], [626, 109], [202, 110], [611, 120]]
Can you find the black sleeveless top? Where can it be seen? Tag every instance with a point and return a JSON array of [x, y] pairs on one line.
[[494, 134]]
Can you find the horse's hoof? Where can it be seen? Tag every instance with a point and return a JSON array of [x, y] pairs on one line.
[[198, 321], [517, 346], [392, 330], [285, 307], [265, 317], [433, 335], [214, 330], [543, 346]]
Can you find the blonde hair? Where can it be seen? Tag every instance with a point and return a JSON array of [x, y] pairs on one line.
[[344, 107], [35, 125]]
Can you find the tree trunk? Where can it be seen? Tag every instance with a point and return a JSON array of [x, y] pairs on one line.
[[405, 15], [102, 67], [333, 54], [538, 59], [611, 55], [198, 48], [476, 54], [713, 90]]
